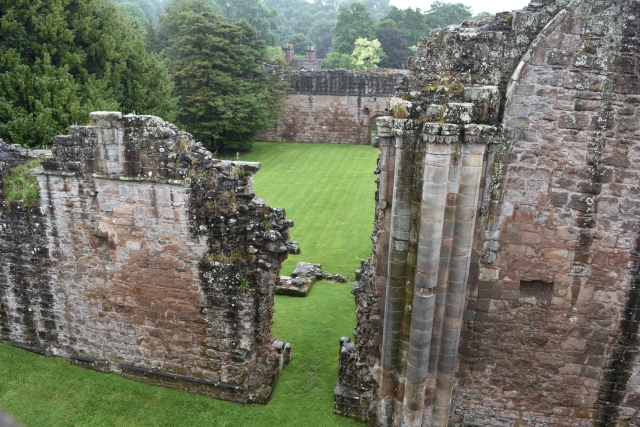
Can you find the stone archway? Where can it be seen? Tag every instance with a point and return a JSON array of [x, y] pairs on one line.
[[371, 125]]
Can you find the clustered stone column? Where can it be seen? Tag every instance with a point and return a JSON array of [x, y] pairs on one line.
[[428, 269]]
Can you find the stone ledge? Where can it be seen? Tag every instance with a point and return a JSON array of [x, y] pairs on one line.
[[90, 363], [113, 177], [165, 375]]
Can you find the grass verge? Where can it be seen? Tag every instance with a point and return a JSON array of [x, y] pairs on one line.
[[41, 391], [21, 185]]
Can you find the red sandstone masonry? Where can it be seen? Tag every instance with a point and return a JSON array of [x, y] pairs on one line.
[[335, 106], [549, 334], [154, 260]]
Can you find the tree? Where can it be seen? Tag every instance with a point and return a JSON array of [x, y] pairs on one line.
[[334, 4], [136, 15], [367, 53], [257, 14], [150, 8], [300, 43], [394, 46], [443, 14], [339, 60], [320, 28], [410, 22], [324, 46], [62, 59], [227, 91], [353, 23], [377, 8]]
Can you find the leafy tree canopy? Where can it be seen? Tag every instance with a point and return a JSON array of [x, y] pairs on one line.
[[442, 14], [413, 23], [135, 14], [377, 8], [256, 13], [62, 59], [394, 46], [367, 53], [226, 88], [339, 60], [324, 46], [353, 23], [300, 43], [151, 8], [410, 22]]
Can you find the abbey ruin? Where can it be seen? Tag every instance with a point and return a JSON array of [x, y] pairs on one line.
[[503, 285], [335, 106], [145, 257]]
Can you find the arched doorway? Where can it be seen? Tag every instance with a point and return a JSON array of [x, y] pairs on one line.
[[372, 127]]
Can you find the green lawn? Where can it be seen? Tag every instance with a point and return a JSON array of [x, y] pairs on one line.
[[328, 191]]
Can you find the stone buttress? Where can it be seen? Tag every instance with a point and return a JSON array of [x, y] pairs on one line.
[[501, 289], [146, 257]]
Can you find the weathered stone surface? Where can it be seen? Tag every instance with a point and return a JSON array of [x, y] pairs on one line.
[[506, 297], [307, 269], [295, 287], [146, 257], [303, 278], [7, 421], [336, 106]]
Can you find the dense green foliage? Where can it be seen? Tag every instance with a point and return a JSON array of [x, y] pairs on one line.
[[339, 60], [442, 14], [413, 23], [61, 59], [393, 44], [226, 90], [353, 23], [367, 53], [21, 185], [151, 8], [135, 14], [303, 178], [256, 13]]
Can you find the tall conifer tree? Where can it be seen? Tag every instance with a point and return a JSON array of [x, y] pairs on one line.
[[227, 91], [62, 59]]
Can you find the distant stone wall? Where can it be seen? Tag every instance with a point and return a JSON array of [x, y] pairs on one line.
[[146, 257], [503, 284], [335, 106]]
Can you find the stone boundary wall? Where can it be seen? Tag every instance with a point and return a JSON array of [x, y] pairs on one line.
[[146, 257], [336, 106], [502, 287]]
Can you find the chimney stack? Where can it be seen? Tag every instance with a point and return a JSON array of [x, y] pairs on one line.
[[287, 53], [311, 52]]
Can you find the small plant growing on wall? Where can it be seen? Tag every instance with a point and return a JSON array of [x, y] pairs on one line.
[[244, 284], [21, 185]]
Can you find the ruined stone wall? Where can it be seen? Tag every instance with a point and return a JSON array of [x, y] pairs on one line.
[[504, 270], [336, 106], [147, 257]]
